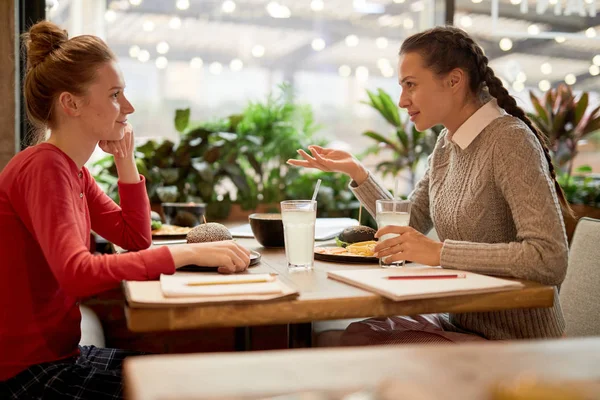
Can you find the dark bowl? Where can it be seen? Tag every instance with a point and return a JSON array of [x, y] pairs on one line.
[[267, 229], [184, 214]]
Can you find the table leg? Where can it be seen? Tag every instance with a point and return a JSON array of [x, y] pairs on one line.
[[300, 335], [243, 338]]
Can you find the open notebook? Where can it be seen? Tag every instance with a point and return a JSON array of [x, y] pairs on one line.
[[325, 228], [173, 290], [376, 280]]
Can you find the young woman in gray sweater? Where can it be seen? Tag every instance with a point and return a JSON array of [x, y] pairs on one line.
[[490, 191]]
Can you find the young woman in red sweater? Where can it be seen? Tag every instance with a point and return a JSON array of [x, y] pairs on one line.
[[49, 203]]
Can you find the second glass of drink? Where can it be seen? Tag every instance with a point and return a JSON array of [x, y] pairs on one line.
[[299, 217], [391, 212]]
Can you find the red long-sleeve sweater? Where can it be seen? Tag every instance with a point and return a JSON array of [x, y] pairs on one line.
[[47, 208]]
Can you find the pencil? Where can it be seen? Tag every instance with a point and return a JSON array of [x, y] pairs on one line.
[[432, 276], [231, 282]]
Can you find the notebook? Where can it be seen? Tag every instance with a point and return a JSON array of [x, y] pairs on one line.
[[149, 294], [375, 280], [325, 228]]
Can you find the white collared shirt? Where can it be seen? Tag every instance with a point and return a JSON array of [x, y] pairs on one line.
[[476, 123]]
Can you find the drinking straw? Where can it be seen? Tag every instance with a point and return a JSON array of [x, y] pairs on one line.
[[396, 197], [316, 190], [359, 213]]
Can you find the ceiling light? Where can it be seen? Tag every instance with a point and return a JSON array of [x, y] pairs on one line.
[[399, 1], [521, 77], [236, 64], [546, 68], [594, 70], [258, 51], [596, 60], [215, 68], [560, 39], [182, 4], [143, 56], [110, 16], [362, 73], [533, 29], [466, 21], [515, 2], [408, 23], [161, 62], [570, 79], [134, 51], [148, 26], [544, 85], [135, 2], [476, 1], [381, 43], [196, 62], [162, 47], [228, 6], [318, 44], [317, 5], [175, 23], [506, 44], [344, 71], [351, 40], [553, 2], [518, 86], [590, 32], [277, 10]]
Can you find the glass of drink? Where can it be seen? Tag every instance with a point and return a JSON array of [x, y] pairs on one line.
[[299, 218], [391, 212]]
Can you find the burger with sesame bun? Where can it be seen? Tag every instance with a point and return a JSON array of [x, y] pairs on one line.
[[209, 232]]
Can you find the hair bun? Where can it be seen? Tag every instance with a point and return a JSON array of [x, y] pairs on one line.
[[41, 40]]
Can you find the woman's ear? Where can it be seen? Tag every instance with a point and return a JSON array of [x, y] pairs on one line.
[[70, 104], [456, 78]]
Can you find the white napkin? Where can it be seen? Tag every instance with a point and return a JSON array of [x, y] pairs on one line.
[[178, 285]]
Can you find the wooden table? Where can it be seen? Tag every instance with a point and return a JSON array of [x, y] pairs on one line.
[[423, 372], [323, 299]]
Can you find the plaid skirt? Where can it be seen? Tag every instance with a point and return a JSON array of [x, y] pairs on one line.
[[95, 374]]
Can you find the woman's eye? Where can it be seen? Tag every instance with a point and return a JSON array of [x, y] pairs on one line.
[[115, 95]]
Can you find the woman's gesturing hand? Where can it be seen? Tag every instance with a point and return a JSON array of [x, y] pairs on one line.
[[409, 245], [332, 160]]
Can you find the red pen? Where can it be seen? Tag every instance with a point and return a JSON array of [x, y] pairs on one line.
[[431, 276]]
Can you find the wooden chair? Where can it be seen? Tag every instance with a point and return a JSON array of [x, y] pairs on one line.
[[580, 292]]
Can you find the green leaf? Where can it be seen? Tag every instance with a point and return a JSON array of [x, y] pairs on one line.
[[542, 113], [340, 243], [382, 139], [584, 169], [393, 116], [182, 119], [403, 137], [376, 102]]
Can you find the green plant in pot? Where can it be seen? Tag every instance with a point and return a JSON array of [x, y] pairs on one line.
[[409, 146], [187, 171], [270, 133], [565, 120]]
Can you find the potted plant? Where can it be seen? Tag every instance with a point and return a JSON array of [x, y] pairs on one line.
[[565, 120], [408, 145]]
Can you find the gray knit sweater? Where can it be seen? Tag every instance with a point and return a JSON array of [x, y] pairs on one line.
[[495, 208]]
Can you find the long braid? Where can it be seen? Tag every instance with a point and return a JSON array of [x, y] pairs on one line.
[[446, 48], [509, 104]]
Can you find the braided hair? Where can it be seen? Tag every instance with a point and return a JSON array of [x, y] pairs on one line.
[[446, 48]]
